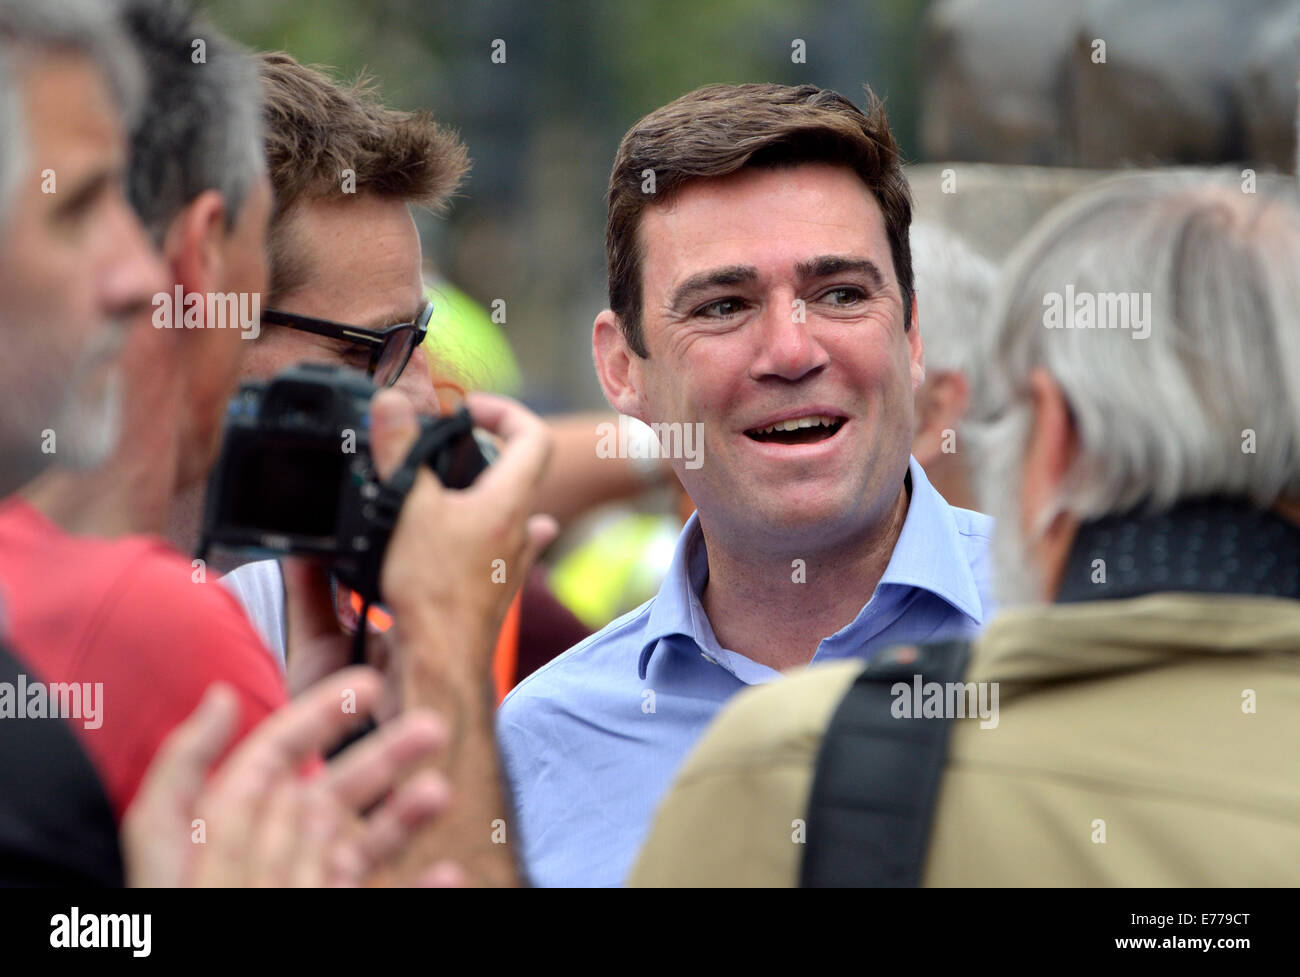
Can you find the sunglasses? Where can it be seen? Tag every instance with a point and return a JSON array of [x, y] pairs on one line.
[[389, 349]]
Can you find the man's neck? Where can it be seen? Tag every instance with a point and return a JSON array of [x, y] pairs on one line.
[[123, 498], [776, 609], [185, 522]]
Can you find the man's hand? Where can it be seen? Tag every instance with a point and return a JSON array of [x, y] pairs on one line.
[[457, 558], [455, 561], [258, 821], [442, 561]]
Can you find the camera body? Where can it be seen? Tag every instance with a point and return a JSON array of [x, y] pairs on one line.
[[295, 475]]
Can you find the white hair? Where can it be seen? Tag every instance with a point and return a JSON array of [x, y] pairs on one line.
[[953, 286], [13, 145], [90, 27], [1204, 398]]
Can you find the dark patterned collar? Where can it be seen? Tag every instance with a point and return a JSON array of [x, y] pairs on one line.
[[1211, 546]]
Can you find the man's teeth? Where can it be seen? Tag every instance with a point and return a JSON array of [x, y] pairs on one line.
[[793, 425]]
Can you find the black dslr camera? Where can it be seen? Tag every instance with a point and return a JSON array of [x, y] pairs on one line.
[[295, 475]]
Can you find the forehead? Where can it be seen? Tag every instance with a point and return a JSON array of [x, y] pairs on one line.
[[70, 114], [771, 219], [361, 257]]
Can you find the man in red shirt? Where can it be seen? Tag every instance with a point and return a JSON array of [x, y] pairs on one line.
[[130, 617], [74, 266], [124, 616]]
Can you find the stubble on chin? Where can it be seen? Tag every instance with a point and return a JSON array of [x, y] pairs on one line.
[[91, 416]]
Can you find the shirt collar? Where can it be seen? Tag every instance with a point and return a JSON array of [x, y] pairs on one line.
[[928, 555], [677, 609]]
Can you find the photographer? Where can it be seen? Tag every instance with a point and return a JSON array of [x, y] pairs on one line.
[[133, 615]]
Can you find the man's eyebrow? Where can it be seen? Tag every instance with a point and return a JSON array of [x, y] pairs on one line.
[[824, 266], [392, 319], [87, 188], [705, 280]]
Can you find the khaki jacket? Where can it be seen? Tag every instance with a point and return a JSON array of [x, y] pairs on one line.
[[1145, 742]]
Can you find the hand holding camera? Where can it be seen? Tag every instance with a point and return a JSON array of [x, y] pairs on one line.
[[458, 557]]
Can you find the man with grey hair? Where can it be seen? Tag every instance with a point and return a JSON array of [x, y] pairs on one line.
[[73, 263], [116, 612], [197, 179], [1144, 463], [75, 266], [953, 285]]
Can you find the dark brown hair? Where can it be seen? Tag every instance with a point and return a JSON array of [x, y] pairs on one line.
[[719, 129], [316, 128]]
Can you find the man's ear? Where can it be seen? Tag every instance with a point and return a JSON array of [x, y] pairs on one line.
[[617, 366], [194, 243], [1053, 443], [941, 403], [915, 350]]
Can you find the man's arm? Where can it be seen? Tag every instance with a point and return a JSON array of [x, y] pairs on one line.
[[454, 564], [579, 479]]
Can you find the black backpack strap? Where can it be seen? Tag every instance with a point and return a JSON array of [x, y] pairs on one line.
[[877, 776]]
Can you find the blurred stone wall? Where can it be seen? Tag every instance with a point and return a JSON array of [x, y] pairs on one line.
[[989, 205], [1100, 83]]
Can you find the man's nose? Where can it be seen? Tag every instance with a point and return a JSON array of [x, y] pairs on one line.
[[788, 347], [133, 270], [417, 384]]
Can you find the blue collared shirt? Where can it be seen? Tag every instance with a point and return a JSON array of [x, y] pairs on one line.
[[591, 741]]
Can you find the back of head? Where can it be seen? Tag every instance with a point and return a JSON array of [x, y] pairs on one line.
[[717, 130], [325, 140], [200, 127], [1167, 308]]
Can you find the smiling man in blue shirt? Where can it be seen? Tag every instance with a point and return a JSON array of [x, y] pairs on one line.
[[761, 292]]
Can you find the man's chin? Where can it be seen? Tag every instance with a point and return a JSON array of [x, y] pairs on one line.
[[91, 423], [91, 419]]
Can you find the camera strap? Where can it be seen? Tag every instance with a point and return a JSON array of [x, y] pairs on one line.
[[386, 508], [877, 777], [427, 446]]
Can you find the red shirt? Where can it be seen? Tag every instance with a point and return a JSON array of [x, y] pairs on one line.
[[126, 613]]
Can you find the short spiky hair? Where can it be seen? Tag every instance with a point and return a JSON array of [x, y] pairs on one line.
[[317, 128]]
